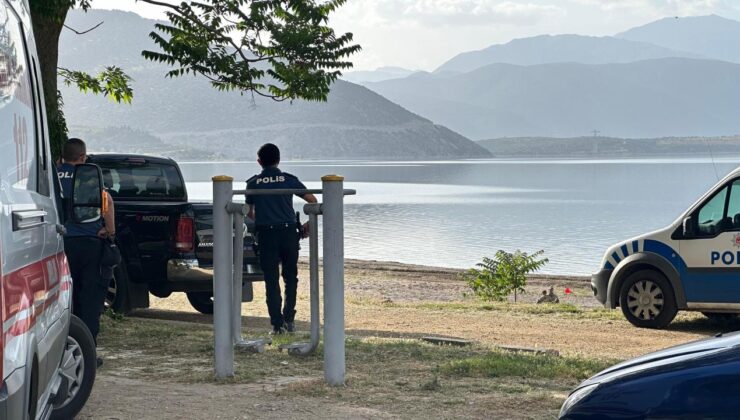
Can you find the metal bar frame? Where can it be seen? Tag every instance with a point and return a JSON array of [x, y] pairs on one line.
[[303, 349], [228, 257]]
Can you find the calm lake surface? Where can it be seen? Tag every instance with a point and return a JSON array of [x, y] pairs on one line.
[[452, 213]]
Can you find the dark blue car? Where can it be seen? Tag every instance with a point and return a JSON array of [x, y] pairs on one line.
[[698, 380]]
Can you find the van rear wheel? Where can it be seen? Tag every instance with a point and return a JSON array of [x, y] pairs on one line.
[[647, 300], [201, 302], [78, 367]]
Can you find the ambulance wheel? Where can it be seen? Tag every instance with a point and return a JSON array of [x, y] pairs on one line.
[[201, 302], [78, 370], [720, 316], [647, 300]]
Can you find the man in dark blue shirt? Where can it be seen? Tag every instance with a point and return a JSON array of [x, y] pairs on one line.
[[277, 235], [83, 245]]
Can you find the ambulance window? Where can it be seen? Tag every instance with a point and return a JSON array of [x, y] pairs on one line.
[[17, 116], [733, 207], [712, 213]]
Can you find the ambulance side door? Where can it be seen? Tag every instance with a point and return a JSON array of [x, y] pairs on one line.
[[711, 251]]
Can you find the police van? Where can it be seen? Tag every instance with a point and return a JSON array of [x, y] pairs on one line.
[[693, 264], [48, 364]]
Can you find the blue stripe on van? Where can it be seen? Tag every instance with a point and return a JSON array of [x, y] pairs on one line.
[[624, 251], [616, 258], [635, 246]]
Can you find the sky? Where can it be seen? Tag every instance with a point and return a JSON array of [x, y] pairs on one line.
[[423, 34]]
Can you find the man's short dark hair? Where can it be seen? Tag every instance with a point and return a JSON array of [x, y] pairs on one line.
[[73, 149], [269, 155]]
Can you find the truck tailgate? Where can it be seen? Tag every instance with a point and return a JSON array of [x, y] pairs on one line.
[[204, 240]]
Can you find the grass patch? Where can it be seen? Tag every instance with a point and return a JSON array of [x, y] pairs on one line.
[[502, 364]]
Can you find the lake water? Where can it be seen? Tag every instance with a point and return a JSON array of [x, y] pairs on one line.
[[452, 213]]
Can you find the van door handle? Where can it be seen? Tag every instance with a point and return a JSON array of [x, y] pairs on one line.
[[61, 230], [28, 219]]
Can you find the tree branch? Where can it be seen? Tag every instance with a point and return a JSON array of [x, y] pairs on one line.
[[83, 32]]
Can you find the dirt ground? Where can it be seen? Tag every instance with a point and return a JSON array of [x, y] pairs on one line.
[[383, 301]]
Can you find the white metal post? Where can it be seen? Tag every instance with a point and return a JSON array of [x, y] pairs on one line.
[[333, 212], [238, 247], [222, 277], [313, 211], [313, 257]]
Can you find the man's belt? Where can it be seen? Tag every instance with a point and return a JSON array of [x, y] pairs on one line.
[[290, 225]]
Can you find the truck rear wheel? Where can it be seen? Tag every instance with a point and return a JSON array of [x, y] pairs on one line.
[[117, 296], [647, 300], [78, 368], [201, 301]]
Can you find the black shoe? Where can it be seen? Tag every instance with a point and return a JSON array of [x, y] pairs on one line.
[[98, 362], [277, 331], [290, 326]]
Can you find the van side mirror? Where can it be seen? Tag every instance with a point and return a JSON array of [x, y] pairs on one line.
[[688, 227], [87, 194]]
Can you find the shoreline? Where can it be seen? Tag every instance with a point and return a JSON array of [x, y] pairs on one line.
[[398, 267]]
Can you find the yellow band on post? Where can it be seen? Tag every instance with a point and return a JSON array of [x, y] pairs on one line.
[[222, 178], [330, 178]]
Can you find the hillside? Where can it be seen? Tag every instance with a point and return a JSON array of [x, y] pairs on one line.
[[711, 36], [611, 147], [545, 49], [377, 75], [652, 98], [188, 113]]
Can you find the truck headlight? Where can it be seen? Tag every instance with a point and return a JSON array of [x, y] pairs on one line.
[[576, 397]]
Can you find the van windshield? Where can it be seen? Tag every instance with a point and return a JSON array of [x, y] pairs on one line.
[[143, 181]]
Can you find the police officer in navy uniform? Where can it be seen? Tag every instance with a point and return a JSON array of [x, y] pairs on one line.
[[277, 234], [83, 245]]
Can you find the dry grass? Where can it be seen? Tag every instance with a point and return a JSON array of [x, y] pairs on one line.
[[400, 377]]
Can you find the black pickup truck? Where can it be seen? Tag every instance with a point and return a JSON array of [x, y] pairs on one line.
[[165, 240]]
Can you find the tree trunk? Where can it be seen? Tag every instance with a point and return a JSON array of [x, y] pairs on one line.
[[48, 22]]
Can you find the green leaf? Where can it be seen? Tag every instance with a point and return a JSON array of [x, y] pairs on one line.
[[281, 49], [111, 82]]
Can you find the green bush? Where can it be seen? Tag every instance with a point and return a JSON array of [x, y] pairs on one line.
[[496, 278]]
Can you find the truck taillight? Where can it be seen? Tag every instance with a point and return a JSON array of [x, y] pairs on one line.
[[185, 235]]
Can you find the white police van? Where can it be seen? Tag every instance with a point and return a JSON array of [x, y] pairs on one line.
[[48, 364], [693, 264]]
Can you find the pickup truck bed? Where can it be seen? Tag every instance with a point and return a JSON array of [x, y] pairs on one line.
[[165, 240]]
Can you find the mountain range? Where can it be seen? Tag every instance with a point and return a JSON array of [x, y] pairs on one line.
[[566, 86], [670, 78], [187, 113], [545, 49]]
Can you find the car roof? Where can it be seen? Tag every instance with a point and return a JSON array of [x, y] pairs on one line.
[[122, 157]]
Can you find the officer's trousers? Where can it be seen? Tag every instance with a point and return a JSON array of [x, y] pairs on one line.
[[88, 286], [279, 245]]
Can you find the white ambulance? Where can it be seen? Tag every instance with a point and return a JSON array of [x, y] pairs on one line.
[[48, 364], [693, 264]]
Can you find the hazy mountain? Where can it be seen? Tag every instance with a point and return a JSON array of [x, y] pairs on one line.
[[112, 139], [559, 49], [652, 98], [711, 36], [378, 75], [188, 113], [610, 147]]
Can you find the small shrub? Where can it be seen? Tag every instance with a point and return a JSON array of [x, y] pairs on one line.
[[496, 278]]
